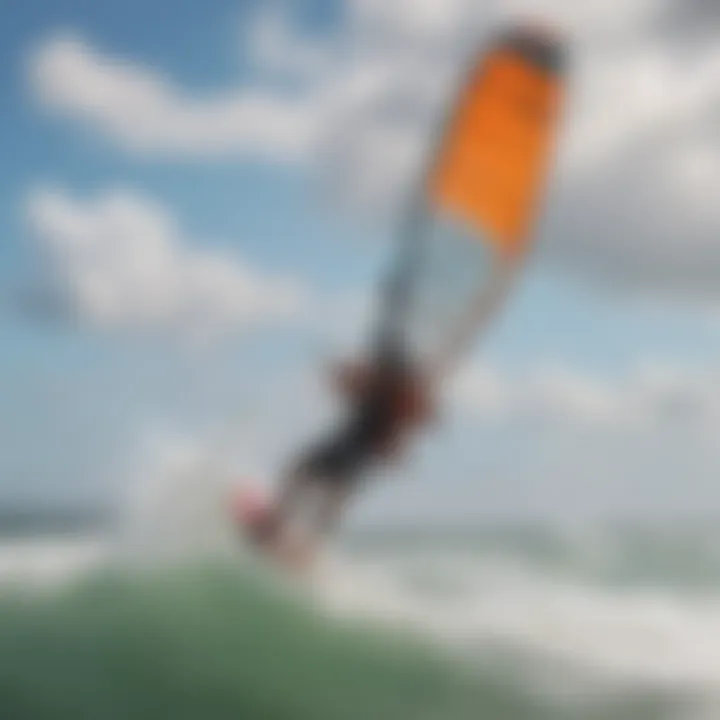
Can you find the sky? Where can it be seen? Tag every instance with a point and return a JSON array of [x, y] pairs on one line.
[[199, 200]]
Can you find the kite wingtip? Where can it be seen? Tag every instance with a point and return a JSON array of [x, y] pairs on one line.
[[539, 39]]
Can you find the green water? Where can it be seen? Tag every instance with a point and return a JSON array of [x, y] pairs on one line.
[[216, 644], [211, 645]]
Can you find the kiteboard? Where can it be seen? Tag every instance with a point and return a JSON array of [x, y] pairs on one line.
[[252, 507]]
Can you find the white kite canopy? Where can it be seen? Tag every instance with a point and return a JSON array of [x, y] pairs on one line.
[[475, 213]]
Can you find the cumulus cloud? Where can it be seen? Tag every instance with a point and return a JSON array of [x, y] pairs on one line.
[[555, 441], [633, 202], [146, 113], [120, 260], [650, 397], [276, 51]]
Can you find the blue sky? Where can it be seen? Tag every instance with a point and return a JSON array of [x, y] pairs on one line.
[[84, 396], [605, 297]]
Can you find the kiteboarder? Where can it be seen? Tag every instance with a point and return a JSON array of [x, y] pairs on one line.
[[471, 226], [388, 400]]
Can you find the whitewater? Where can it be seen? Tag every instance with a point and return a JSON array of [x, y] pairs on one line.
[[165, 614]]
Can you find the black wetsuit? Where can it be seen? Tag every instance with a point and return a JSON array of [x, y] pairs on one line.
[[362, 438], [336, 465]]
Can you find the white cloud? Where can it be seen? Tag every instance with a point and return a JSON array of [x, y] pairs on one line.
[[146, 113], [633, 203], [648, 398], [557, 442], [416, 21], [120, 261], [277, 51], [544, 394]]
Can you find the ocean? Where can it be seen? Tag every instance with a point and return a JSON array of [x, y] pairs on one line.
[[498, 621], [157, 610]]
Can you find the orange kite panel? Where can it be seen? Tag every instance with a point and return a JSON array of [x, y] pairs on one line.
[[493, 162]]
